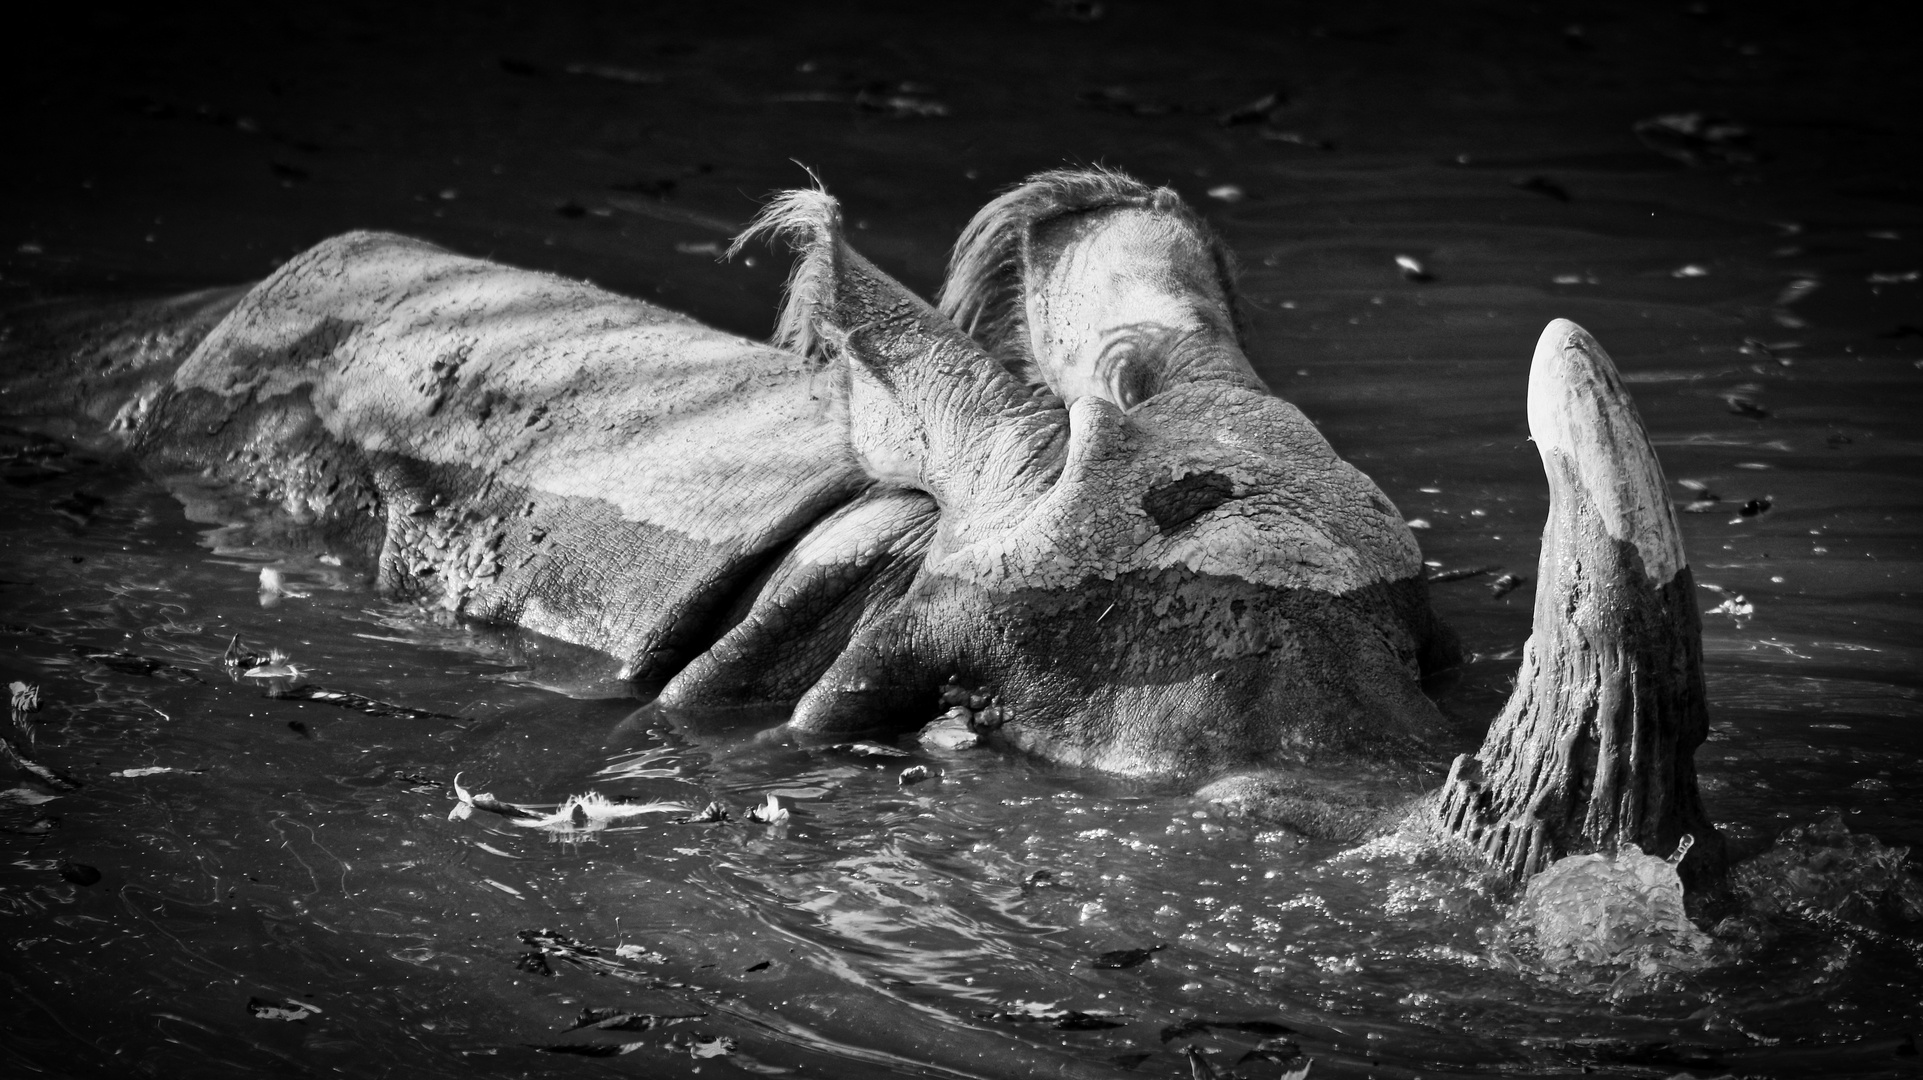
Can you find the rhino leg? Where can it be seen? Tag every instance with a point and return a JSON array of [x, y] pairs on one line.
[[1595, 748]]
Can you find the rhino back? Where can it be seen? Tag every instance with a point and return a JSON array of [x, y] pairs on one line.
[[510, 445]]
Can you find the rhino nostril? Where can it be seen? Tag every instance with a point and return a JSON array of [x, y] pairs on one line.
[[1186, 498]]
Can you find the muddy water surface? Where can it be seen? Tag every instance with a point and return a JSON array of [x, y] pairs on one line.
[[294, 858]]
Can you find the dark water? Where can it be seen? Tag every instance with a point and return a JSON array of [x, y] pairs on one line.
[[301, 853]]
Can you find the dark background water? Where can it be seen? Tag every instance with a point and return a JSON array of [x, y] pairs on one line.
[[1760, 296]]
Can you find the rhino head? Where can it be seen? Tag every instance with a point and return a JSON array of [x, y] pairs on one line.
[[1161, 569], [1147, 563]]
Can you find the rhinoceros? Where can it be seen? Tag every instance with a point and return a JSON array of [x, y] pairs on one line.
[[1064, 504]]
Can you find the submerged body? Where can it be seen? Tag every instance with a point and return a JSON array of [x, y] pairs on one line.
[[1107, 536]]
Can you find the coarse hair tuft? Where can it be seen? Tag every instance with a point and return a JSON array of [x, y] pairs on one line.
[[983, 291], [808, 220]]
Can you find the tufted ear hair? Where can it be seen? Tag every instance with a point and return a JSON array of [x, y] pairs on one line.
[[927, 408]]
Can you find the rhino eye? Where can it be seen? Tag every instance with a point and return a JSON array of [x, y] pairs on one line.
[[1128, 371], [1186, 498], [1134, 384]]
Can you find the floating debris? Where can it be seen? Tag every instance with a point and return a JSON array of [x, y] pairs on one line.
[[1120, 99], [1413, 269], [239, 656], [24, 796], [1690, 270], [274, 666], [768, 813], [1125, 958], [1419, 523], [365, 705], [639, 955], [712, 248], [1506, 584], [1696, 138], [1035, 1012], [25, 698], [1705, 499], [1228, 193], [152, 770], [132, 664], [1892, 278], [1744, 406], [900, 101], [1038, 879], [617, 73], [570, 820], [588, 1049], [869, 749], [1462, 573], [1197, 1025], [712, 814], [628, 1020], [1296, 138], [1279, 1050], [915, 774], [1253, 112], [702, 1046], [79, 873], [1543, 185], [1752, 508], [262, 1009], [56, 780], [1733, 604]]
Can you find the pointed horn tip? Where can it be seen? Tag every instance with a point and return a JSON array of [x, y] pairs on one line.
[[1579, 410]]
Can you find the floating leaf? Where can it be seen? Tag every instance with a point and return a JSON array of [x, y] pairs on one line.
[[1125, 958], [79, 873], [768, 813]]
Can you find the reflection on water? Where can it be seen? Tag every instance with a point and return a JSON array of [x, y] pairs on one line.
[[260, 858]]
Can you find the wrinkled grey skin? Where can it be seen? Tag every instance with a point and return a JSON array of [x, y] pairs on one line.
[[1092, 524]]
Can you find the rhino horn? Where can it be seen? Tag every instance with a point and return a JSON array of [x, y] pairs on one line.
[[927, 408], [1595, 747]]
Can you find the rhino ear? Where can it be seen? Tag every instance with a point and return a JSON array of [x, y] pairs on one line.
[[927, 408]]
